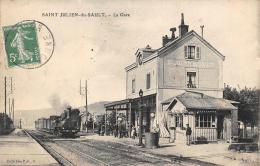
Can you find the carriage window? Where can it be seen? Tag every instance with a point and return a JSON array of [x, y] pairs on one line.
[[205, 120]]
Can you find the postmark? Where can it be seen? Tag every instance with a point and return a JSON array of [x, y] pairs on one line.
[[28, 44]]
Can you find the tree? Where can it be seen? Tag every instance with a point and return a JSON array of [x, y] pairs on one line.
[[248, 99], [111, 118], [231, 93], [100, 119]]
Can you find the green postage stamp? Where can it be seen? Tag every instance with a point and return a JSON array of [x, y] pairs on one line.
[[28, 44], [21, 44]]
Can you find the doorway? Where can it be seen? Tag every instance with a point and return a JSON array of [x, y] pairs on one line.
[[220, 120], [148, 119]]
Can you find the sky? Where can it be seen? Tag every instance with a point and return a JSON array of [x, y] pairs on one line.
[[98, 49]]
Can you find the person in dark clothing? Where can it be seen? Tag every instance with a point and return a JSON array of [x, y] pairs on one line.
[[99, 129], [120, 131], [116, 131], [188, 134]]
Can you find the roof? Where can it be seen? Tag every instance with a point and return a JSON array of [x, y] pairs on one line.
[[169, 45], [232, 101], [168, 101], [192, 32], [114, 103], [195, 100]]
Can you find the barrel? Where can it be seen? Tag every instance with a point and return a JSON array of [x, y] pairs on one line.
[[151, 140]]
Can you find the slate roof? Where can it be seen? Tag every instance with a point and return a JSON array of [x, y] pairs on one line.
[[195, 100]]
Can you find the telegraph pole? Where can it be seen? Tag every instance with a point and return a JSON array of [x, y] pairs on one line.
[[86, 99], [86, 93], [5, 106], [13, 108], [20, 123], [93, 123], [9, 108]]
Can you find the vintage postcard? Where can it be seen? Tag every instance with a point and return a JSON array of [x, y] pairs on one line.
[[110, 82]]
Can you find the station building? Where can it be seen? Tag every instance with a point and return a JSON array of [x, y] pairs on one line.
[[182, 83]]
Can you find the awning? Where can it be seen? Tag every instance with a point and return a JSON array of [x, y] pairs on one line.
[[118, 105], [125, 104]]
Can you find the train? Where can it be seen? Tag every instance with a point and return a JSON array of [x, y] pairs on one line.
[[6, 124], [67, 124]]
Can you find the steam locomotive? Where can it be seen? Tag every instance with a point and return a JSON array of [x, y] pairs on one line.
[[67, 124]]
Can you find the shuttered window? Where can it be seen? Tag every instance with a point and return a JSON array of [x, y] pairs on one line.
[[192, 52]]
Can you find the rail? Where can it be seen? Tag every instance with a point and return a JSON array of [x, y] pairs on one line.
[[58, 156]]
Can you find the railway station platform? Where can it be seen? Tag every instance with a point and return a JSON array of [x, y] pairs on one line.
[[217, 153], [18, 148]]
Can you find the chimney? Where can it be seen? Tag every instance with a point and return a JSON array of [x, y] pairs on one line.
[[173, 33], [183, 29], [202, 26], [166, 39]]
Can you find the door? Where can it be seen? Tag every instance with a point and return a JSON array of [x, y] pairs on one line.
[[227, 129], [220, 126]]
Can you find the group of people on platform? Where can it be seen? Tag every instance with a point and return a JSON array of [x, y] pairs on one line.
[[120, 131]]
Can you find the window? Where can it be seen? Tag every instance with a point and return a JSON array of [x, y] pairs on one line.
[[176, 121], [179, 121], [133, 85], [148, 81], [191, 79], [190, 53], [205, 120]]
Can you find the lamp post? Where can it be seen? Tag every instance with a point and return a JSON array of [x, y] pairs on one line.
[[141, 118]]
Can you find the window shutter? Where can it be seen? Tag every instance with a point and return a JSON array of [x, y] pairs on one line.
[[186, 51], [197, 52]]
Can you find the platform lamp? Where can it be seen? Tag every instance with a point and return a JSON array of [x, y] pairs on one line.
[[141, 118]]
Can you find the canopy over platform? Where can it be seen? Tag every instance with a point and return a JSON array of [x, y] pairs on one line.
[[126, 104], [118, 105], [195, 100]]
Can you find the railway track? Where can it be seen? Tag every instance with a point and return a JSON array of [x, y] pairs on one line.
[[104, 153], [59, 157], [173, 159]]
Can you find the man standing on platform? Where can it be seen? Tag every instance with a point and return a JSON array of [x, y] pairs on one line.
[[188, 134]]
